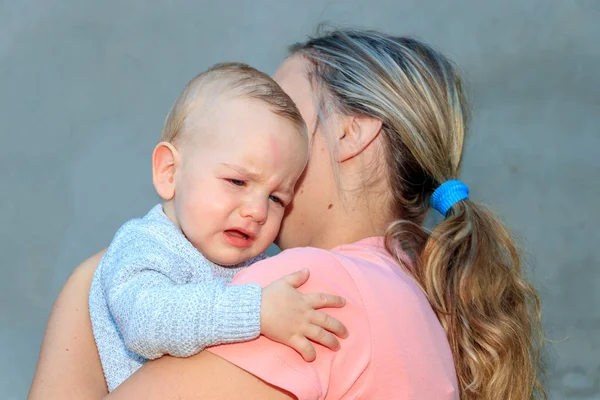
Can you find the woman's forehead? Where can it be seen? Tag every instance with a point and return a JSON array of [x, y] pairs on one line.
[[292, 76], [295, 65], [293, 72]]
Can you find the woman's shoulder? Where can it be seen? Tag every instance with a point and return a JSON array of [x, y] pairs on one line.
[[322, 264], [88, 266], [364, 270]]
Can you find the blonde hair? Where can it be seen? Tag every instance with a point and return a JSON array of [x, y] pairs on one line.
[[233, 80], [468, 266]]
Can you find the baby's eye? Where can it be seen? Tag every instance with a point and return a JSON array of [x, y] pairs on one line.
[[277, 200], [237, 182]]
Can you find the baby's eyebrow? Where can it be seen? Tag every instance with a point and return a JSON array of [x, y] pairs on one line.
[[242, 170], [288, 191]]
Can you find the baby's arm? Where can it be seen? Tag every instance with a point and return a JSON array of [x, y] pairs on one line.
[[156, 316]]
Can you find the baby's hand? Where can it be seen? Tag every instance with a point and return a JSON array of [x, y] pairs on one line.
[[288, 316]]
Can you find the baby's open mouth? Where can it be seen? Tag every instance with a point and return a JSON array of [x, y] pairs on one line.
[[239, 238], [237, 234]]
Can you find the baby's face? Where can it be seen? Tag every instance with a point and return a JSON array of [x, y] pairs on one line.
[[236, 177]]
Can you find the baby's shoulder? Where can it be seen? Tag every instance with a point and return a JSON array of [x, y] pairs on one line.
[[155, 225]]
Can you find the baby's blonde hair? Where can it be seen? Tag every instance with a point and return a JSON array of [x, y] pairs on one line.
[[236, 80]]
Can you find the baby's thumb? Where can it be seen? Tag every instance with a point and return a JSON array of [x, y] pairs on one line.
[[297, 278]]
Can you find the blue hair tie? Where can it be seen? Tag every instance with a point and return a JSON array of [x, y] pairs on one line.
[[448, 194]]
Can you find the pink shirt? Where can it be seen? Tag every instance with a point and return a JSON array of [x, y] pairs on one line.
[[397, 348]]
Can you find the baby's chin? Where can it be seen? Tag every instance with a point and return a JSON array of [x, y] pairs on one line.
[[234, 260]]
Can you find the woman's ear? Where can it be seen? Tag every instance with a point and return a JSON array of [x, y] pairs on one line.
[[165, 161], [358, 134]]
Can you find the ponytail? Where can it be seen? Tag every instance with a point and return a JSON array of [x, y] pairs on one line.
[[470, 269]]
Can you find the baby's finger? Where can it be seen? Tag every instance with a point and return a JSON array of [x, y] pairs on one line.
[[329, 323], [323, 300], [298, 278], [321, 336], [303, 346]]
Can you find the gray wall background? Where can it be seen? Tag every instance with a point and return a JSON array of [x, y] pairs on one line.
[[85, 86]]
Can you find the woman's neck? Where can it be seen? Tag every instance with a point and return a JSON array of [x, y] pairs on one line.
[[350, 222]]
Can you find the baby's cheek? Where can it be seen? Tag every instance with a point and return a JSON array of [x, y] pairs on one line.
[[194, 211], [271, 228], [208, 201], [279, 220]]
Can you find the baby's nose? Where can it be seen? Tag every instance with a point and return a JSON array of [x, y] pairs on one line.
[[255, 209]]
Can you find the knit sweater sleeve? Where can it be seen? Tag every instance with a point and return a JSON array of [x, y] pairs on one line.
[[156, 315]]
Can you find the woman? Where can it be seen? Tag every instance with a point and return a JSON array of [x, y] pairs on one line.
[[430, 316]]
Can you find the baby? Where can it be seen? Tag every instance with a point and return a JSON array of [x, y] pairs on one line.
[[231, 151]]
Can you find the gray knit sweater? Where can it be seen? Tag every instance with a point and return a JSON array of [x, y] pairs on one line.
[[153, 293]]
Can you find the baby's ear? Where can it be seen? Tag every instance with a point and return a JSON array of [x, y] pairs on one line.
[[165, 160]]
